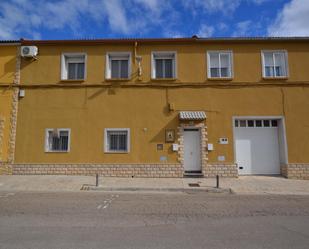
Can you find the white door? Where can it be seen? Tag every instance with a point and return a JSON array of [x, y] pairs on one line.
[[257, 149], [192, 152]]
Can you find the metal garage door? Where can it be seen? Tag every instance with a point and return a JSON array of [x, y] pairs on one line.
[[257, 146]]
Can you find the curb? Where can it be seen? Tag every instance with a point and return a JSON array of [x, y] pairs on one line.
[[136, 189]]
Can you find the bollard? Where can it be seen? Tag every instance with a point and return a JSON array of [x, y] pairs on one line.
[[97, 180], [217, 177]]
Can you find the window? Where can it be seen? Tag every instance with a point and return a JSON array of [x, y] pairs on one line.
[[256, 123], [118, 65], [117, 140], [73, 66], [219, 64], [57, 140], [163, 65], [274, 64]]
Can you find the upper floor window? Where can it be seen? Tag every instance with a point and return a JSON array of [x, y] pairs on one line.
[[219, 64], [163, 65], [73, 66], [274, 64], [57, 140], [117, 140], [118, 65]]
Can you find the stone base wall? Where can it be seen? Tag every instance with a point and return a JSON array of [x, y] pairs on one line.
[[5, 169], [113, 170], [291, 171], [223, 170], [298, 171]]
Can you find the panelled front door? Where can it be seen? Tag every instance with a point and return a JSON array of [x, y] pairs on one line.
[[192, 151]]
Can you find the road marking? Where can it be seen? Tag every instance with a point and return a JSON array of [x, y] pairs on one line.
[[7, 195], [107, 202]]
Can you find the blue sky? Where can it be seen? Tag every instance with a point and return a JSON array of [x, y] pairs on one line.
[[78, 19]]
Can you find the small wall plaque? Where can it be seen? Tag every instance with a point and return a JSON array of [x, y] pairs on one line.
[[169, 135], [159, 146]]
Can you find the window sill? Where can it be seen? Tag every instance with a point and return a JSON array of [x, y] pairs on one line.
[[276, 78], [116, 152], [57, 151], [164, 79], [73, 81], [220, 79], [117, 79]]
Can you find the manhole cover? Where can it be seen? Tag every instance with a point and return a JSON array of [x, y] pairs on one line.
[[194, 185]]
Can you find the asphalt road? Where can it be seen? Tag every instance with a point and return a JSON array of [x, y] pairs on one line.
[[150, 220]]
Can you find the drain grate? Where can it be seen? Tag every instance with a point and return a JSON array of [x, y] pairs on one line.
[[194, 185], [85, 187]]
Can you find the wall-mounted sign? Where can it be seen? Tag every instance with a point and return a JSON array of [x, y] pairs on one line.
[[159, 146], [169, 136]]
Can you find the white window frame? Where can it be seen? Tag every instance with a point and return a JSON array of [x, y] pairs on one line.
[[163, 55], [47, 149], [64, 65], [231, 64], [285, 52], [106, 142], [108, 68]]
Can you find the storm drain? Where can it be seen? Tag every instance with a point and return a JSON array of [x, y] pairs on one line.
[[85, 187], [194, 184]]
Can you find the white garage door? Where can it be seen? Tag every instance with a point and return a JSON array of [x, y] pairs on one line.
[[257, 146]]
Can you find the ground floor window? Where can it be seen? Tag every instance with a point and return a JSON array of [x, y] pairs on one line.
[[57, 140], [117, 140]]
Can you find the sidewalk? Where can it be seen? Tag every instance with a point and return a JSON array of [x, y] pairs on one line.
[[241, 185]]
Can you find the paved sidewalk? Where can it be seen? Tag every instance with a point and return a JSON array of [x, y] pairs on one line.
[[241, 185]]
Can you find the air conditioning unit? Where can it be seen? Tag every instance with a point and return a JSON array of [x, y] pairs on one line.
[[29, 51]]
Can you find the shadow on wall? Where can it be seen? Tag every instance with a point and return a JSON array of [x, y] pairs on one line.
[[9, 69], [160, 136]]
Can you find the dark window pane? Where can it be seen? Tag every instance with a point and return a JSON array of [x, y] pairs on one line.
[[115, 69], [258, 123], [274, 123], [124, 69], [224, 72], [168, 68], [236, 123], [250, 123], [159, 68], [214, 72], [117, 140], [71, 71], [55, 144], [242, 123], [80, 70], [113, 142], [278, 71], [269, 71], [266, 123], [59, 143]]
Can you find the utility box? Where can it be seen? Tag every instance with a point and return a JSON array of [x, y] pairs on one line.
[[210, 147], [174, 147]]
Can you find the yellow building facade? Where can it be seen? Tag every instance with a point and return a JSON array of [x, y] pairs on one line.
[[163, 107], [8, 102]]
